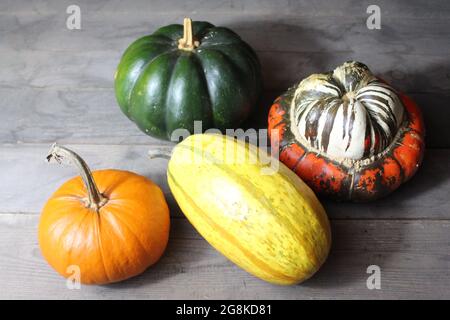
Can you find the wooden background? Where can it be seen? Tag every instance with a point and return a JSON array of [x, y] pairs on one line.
[[57, 85]]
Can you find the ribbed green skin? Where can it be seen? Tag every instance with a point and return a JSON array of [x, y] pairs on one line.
[[162, 88]]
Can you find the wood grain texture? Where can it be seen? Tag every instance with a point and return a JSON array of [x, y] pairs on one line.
[[293, 39], [407, 72], [302, 8], [413, 257], [280, 33], [78, 116], [424, 197], [57, 85], [83, 116]]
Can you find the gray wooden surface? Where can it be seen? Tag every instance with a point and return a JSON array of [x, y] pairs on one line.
[[411, 254], [56, 85]]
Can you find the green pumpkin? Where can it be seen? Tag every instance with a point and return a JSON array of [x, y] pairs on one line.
[[181, 74]]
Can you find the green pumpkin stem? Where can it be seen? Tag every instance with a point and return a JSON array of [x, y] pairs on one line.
[[187, 42], [95, 199]]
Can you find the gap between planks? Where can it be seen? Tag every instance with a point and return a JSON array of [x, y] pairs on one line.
[[369, 219], [270, 91]]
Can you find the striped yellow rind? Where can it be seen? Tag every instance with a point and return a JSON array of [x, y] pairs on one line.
[[271, 225]]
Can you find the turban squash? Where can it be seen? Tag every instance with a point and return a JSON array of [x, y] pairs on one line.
[[181, 74], [348, 134], [269, 223]]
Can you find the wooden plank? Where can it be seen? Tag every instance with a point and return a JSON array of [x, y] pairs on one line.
[[87, 116], [81, 116], [320, 8], [39, 52], [18, 161], [292, 33], [413, 257], [27, 181], [95, 69]]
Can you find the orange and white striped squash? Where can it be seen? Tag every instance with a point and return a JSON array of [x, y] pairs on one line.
[[348, 134], [268, 223]]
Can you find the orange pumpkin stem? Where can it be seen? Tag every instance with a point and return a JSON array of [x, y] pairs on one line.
[[95, 199], [187, 42]]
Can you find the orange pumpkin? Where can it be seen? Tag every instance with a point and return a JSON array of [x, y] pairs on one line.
[[109, 225]]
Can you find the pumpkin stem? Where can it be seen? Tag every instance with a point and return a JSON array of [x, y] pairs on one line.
[[95, 199], [187, 42]]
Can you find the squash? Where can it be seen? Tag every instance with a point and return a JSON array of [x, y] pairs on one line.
[[109, 224], [267, 221], [348, 134], [181, 74]]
